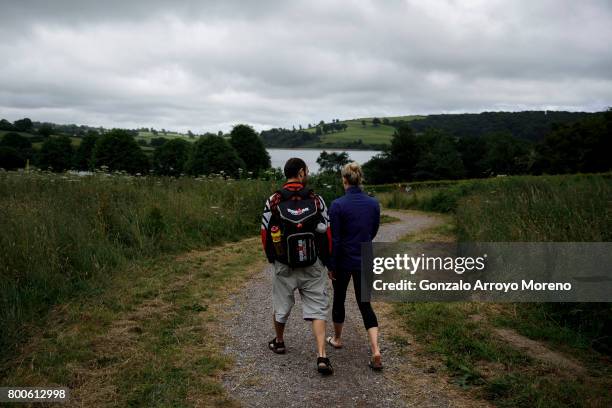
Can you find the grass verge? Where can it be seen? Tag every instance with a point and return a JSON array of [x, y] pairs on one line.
[[463, 339], [149, 338]]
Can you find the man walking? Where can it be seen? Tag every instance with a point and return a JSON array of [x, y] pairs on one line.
[[296, 238]]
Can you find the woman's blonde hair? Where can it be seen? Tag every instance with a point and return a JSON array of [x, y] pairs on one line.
[[353, 174]]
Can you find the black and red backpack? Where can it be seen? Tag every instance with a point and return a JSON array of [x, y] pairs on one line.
[[297, 218]]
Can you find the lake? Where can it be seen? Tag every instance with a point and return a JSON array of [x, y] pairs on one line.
[[310, 156]]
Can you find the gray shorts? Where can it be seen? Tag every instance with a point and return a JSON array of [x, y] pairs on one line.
[[310, 281]]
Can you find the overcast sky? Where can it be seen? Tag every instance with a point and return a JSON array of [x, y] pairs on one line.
[[189, 65]]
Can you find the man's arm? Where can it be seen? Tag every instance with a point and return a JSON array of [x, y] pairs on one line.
[[266, 240]]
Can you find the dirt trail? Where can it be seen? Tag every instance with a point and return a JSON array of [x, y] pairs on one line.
[[261, 378]]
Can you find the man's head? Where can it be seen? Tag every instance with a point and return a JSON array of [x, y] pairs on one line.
[[296, 170]]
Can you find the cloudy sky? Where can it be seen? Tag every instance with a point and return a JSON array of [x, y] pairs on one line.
[[206, 65]]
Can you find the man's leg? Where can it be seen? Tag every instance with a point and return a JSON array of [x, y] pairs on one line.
[[279, 328], [318, 328], [283, 285], [315, 306]]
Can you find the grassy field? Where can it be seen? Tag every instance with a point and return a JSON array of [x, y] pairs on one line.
[[519, 208], [471, 340], [64, 235], [369, 134], [116, 286]]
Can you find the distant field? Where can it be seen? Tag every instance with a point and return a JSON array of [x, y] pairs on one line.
[[3, 132], [168, 135], [369, 134], [76, 141]]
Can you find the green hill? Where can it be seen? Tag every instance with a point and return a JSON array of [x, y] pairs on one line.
[[369, 134], [362, 133]]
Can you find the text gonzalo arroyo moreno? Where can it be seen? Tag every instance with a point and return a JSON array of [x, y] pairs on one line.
[[458, 265]]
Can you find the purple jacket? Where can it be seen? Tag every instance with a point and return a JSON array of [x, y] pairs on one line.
[[354, 219]]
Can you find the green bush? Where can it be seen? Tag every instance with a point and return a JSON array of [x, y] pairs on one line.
[[117, 150]]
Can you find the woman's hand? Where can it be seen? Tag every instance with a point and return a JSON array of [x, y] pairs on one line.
[[331, 274]]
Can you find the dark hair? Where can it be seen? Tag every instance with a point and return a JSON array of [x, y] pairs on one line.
[[293, 166]]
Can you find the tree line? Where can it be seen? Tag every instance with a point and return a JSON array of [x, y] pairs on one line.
[[527, 125], [436, 154], [118, 150]]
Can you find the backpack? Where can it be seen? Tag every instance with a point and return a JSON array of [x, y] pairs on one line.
[[294, 239]]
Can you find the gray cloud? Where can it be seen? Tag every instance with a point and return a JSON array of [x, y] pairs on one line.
[[205, 66]]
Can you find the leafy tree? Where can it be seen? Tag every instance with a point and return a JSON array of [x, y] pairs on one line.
[[23, 125], [363, 123], [118, 150], [82, 156], [250, 148], [286, 138], [473, 151], [333, 161], [376, 122], [21, 144], [10, 158], [45, 130], [386, 121], [16, 141], [438, 157], [169, 158], [404, 152], [56, 153], [505, 154], [378, 169], [6, 125], [212, 154], [582, 147]]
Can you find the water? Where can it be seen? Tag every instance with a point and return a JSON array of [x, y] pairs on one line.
[[310, 156]]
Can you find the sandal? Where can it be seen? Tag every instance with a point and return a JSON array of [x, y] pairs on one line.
[[324, 366], [375, 363], [277, 347], [331, 343]]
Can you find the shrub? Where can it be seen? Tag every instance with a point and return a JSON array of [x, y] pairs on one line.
[[212, 154], [118, 150], [56, 153]]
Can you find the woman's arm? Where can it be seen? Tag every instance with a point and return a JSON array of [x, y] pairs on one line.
[[334, 220], [376, 222]]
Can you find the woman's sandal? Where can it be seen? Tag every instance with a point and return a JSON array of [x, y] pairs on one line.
[[324, 366], [375, 363], [331, 343], [277, 347]]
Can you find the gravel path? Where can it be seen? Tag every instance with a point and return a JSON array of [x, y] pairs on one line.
[[261, 378]]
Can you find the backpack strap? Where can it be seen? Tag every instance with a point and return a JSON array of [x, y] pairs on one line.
[[287, 194]]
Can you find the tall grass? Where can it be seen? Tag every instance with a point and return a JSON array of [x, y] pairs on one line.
[[518, 208], [528, 209], [61, 235], [533, 209]]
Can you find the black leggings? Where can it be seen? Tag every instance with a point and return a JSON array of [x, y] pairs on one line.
[[340, 285]]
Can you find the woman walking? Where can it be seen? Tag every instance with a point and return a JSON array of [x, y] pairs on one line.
[[354, 219]]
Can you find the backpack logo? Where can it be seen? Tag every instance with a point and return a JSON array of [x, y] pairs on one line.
[[298, 211]]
